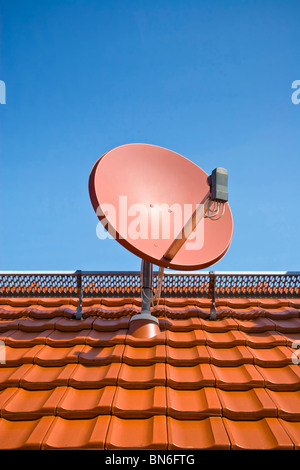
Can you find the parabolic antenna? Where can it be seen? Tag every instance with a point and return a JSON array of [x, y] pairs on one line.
[[162, 207]]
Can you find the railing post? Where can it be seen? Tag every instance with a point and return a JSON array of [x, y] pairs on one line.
[[79, 289], [212, 285]]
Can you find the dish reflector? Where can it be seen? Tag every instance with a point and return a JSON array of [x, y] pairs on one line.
[[145, 195]]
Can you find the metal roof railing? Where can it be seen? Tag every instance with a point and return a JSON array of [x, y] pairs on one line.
[[210, 284]]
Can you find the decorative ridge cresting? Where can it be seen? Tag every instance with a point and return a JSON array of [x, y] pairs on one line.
[[204, 284]]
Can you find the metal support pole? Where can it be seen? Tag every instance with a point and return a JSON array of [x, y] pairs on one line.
[[147, 294], [79, 288], [212, 284]]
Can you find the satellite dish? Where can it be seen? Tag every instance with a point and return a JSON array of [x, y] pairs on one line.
[[163, 208]]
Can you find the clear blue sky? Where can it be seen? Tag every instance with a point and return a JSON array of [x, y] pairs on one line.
[[209, 79]]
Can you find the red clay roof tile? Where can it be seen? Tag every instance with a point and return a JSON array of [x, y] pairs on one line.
[[61, 375], [94, 356], [77, 433], [25, 435], [31, 324], [241, 377], [5, 395], [105, 338], [148, 433], [193, 377], [277, 356], [146, 342], [264, 434], [193, 404], [256, 325], [44, 378], [181, 339], [291, 325], [287, 403], [61, 339], [207, 433], [281, 378], [68, 324], [234, 356], [94, 376], [186, 324], [11, 376], [250, 404], [22, 339], [227, 339], [187, 356], [265, 339], [86, 403], [142, 376], [18, 356], [219, 326], [291, 339], [139, 403], [50, 356], [101, 324], [28, 404], [144, 356], [293, 430]]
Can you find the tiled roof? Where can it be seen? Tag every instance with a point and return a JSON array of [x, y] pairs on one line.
[[199, 384]]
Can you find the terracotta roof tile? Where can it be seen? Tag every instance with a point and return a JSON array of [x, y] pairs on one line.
[[207, 433], [198, 384], [11, 376], [148, 433], [105, 338], [85, 403], [264, 434], [44, 378], [25, 435], [77, 433], [5, 395], [250, 404], [281, 378], [219, 326], [181, 339], [233, 356], [94, 376], [31, 324], [264, 339], [293, 430], [22, 339], [193, 377], [291, 325], [28, 404], [287, 403], [142, 376], [139, 403], [90, 355], [187, 356], [291, 339], [68, 324], [51, 356], [101, 324], [193, 404], [144, 356], [18, 356], [186, 324], [278, 356], [228, 339], [237, 378], [257, 325]]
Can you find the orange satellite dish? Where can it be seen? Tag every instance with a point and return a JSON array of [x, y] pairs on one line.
[[146, 195], [164, 209]]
